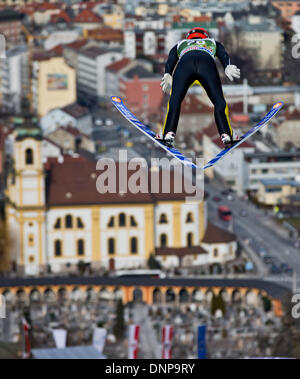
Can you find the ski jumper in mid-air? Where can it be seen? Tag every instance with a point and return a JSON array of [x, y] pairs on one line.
[[192, 61]]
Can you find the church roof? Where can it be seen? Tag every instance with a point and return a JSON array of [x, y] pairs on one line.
[[75, 181]]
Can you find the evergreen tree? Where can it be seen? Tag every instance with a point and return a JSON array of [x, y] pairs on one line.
[[153, 263]]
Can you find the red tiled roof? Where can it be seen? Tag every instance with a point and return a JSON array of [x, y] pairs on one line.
[[58, 50], [106, 34], [116, 66], [240, 117], [202, 19], [73, 182], [77, 44], [88, 16], [192, 104], [214, 234], [62, 15], [237, 107], [46, 6], [211, 131], [292, 115]]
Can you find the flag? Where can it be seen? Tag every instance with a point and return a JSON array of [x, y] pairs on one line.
[[167, 334], [60, 338], [99, 337], [133, 340], [201, 342], [26, 340]]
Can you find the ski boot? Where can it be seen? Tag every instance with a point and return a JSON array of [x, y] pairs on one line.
[[229, 140], [168, 140]]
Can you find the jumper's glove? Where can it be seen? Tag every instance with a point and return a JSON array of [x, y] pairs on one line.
[[231, 71], [166, 83]]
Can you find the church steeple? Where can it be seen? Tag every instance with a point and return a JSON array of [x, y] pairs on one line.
[[28, 167]]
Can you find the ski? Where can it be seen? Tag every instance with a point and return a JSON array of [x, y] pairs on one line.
[[118, 103], [274, 110]]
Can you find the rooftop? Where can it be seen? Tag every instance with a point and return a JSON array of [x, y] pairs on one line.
[[279, 182], [141, 72], [214, 234], [75, 110], [74, 182]]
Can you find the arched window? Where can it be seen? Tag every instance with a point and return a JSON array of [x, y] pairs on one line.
[[111, 246], [189, 217], [132, 221], [30, 240], [80, 247], [190, 239], [163, 219], [80, 224], [69, 221], [57, 225], [57, 248], [163, 240], [133, 245], [111, 222], [29, 156], [122, 219]]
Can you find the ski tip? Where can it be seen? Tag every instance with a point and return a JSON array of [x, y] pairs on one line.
[[278, 105], [116, 99]]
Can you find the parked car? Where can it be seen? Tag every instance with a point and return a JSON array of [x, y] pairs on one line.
[[109, 122], [98, 122]]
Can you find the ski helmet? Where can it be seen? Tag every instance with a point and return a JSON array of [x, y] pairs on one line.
[[197, 33]]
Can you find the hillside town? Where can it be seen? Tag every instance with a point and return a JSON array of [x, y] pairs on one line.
[[77, 262]]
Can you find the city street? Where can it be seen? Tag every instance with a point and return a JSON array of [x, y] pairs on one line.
[[257, 228]]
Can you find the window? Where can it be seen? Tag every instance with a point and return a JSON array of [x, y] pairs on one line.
[[57, 248], [111, 246], [163, 219], [69, 221], [30, 240], [132, 221], [133, 245], [80, 247], [111, 222], [216, 252], [189, 217], [57, 225], [163, 240], [80, 224], [29, 156], [122, 219], [190, 239]]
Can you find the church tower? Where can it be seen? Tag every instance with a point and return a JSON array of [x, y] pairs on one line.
[[25, 194]]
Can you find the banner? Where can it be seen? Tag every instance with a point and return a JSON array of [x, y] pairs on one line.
[[26, 340], [133, 340], [167, 334], [99, 337], [201, 342], [60, 337]]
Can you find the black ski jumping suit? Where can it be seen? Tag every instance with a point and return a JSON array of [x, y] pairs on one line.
[[192, 61]]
